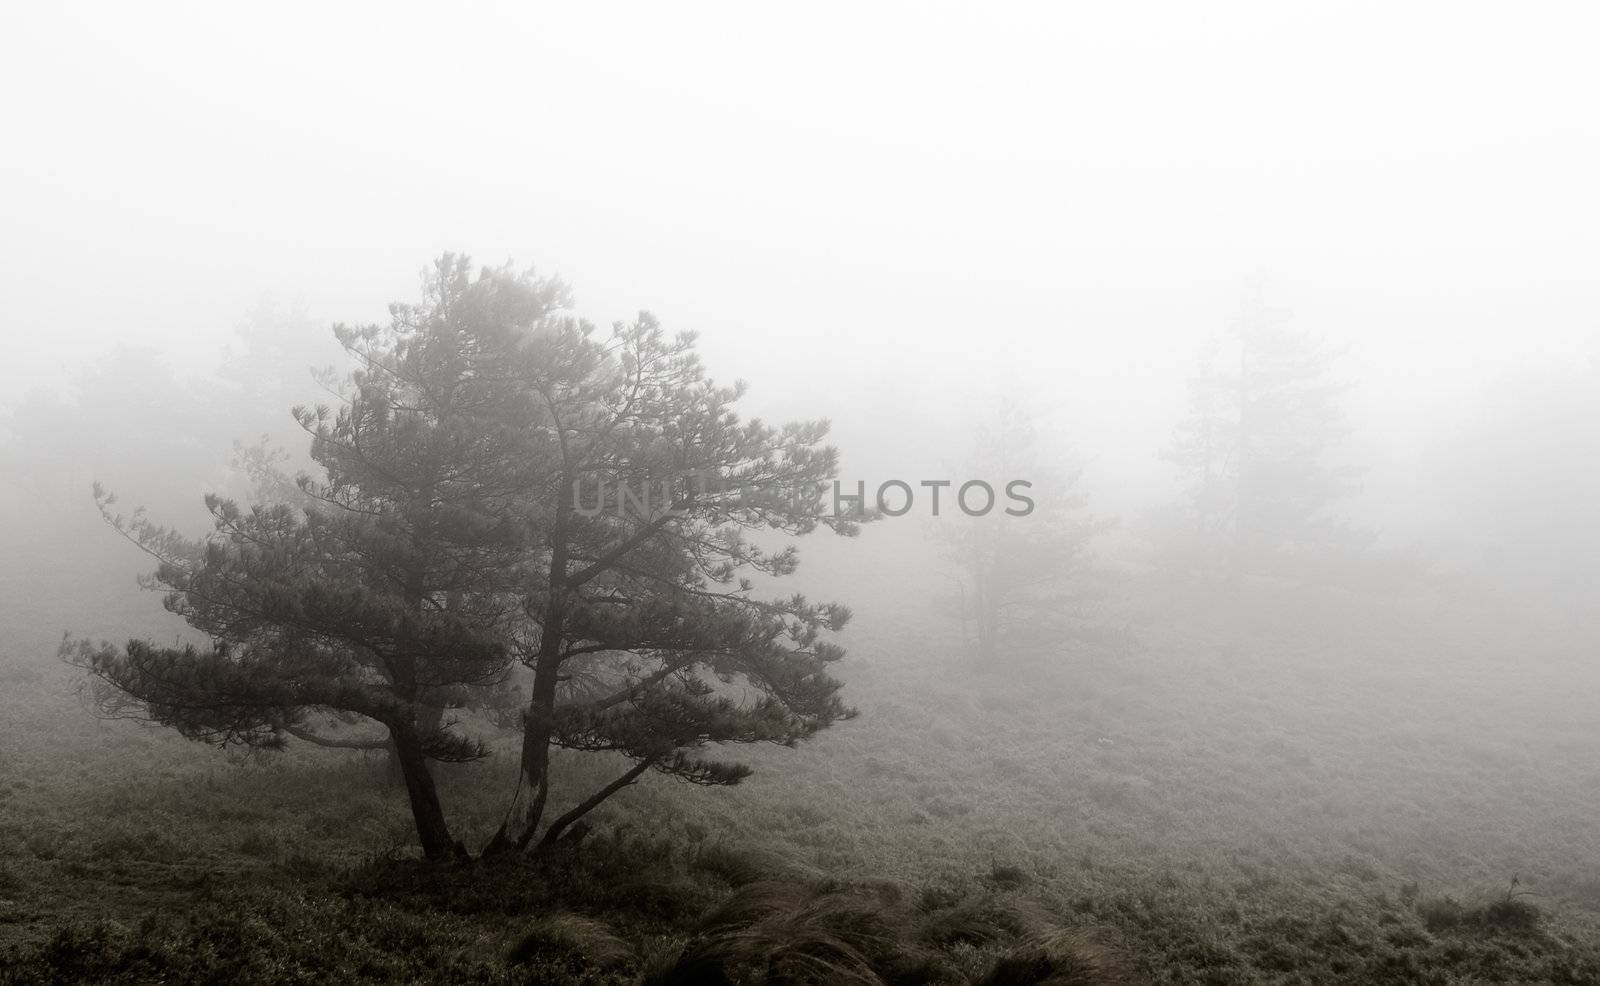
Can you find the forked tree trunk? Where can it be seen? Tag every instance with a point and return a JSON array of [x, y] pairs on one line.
[[533, 775]]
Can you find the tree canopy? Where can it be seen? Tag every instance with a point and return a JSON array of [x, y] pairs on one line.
[[506, 494]]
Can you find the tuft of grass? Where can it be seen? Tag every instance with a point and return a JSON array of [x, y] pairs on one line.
[[941, 893], [1509, 913], [1441, 913], [736, 867], [974, 922], [302, 866], [792, 932], [573, 938], [261, 845], [1007, 876], [1057, 958]]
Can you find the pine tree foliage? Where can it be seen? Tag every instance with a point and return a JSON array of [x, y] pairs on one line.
[[651, 637]]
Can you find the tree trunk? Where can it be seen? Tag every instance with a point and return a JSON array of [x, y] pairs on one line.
[[429, 718], [433, 832], [393, 775], [533, 777]]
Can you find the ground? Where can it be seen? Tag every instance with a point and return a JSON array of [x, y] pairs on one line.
[[1173, 798]]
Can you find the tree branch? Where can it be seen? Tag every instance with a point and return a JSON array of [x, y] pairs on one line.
[[333, 744], [616, 554], [588, 804]]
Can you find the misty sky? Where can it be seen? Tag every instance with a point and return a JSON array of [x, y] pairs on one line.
[[874, 213]]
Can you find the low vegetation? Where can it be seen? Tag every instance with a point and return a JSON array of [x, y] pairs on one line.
[[1136, 813]]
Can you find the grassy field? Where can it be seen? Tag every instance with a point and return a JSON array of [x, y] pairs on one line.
[[1351, 791]]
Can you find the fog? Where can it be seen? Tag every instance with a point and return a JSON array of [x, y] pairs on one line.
[[914, 220]]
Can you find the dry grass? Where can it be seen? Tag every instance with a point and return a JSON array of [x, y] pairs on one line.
[[1201, 805]]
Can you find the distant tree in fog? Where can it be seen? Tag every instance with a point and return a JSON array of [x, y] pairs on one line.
[[1022, 582], [1256, 451], [267, 368], [136, 421], [486, 504]]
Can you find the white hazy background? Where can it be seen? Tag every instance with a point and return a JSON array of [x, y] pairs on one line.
[[885, 213]]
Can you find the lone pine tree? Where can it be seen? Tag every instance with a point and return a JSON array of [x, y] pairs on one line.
[[446, 543]]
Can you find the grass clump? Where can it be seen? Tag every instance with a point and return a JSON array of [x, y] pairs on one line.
[[1007, 876], [1058, 958], [1509, 913], [574, 939], [831, 932], [781, 931]]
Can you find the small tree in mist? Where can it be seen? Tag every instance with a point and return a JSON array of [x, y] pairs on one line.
[[1255, 452], [487, 501], [1021, 581]]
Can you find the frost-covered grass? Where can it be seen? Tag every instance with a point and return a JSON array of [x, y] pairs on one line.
[[1331, 793]]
